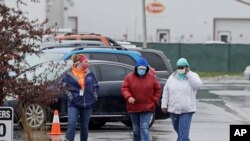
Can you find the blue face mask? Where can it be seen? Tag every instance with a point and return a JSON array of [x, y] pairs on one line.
[[141, 72]]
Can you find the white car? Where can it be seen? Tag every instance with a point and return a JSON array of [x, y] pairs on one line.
[[247, 73]]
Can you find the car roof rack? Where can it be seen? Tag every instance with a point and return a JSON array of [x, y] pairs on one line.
[[80, 46], [89, 47], [69, 33]]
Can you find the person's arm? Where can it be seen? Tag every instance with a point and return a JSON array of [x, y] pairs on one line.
[[157, 90], [125, 89], [165, 97], [62, 84], [194, 79], [64, 87]]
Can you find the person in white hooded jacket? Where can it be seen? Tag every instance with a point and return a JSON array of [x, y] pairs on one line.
[[179, 98]]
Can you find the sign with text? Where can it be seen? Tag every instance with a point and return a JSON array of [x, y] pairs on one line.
[[239, 132], [6, 124], [155, 8]]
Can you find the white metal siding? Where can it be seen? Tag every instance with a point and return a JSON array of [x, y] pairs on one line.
[[239, 29]]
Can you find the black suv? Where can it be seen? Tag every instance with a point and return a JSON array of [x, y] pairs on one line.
[[109, 107]]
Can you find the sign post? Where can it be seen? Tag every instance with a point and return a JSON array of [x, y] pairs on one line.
[[144, 24], [6, 124]]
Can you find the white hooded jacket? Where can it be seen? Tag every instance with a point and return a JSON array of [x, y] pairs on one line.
[[179, 96]]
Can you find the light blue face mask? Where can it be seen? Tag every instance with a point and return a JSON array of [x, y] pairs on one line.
[[141, 72]]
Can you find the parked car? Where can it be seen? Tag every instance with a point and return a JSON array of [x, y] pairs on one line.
[[92, 36], [246, 73], [107, 54], [109, 107], [156, 58]]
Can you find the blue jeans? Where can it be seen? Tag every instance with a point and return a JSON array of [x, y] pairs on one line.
[[140, 122], [73, 114], [181, 124]]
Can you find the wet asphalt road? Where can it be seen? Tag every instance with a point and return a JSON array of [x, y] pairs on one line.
[[217, 109]]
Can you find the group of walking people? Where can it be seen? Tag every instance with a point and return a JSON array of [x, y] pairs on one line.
[[142, 93]]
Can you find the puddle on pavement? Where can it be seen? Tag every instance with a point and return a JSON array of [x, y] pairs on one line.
[[205, 94]]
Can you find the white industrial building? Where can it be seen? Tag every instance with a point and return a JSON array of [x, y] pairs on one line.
[[171, 21]]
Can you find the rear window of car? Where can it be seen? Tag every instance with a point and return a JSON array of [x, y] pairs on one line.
[[107, 73], [155, 61]]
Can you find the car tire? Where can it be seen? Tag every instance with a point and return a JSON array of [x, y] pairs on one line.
[[96, 124], [129, 123], [36, 116]]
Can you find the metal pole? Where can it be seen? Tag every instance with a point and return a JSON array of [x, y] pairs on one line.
[[144, 24]]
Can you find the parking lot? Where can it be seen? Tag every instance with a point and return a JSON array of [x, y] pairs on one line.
[[217, 110]]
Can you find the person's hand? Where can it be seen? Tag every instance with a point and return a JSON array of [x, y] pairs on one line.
[[131, 100], [186, 70], [164, 110]]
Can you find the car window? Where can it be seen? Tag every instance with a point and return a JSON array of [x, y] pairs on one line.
[[155, 61], [87, 54], [104, 56], [93, 44], [92, 68], [126, 59], [111, 73]]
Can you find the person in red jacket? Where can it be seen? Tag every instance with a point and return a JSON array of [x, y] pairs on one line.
[[141, 91]]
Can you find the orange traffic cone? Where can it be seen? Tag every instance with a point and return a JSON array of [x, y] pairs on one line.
[[56, 129]]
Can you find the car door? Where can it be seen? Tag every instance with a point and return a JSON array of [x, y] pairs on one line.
[[110, 100]]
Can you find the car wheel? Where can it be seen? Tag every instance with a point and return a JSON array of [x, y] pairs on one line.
[[96, 124], [35, 115], [129, 123]]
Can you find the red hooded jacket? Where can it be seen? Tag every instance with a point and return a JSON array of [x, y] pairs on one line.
[[146, 91]]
